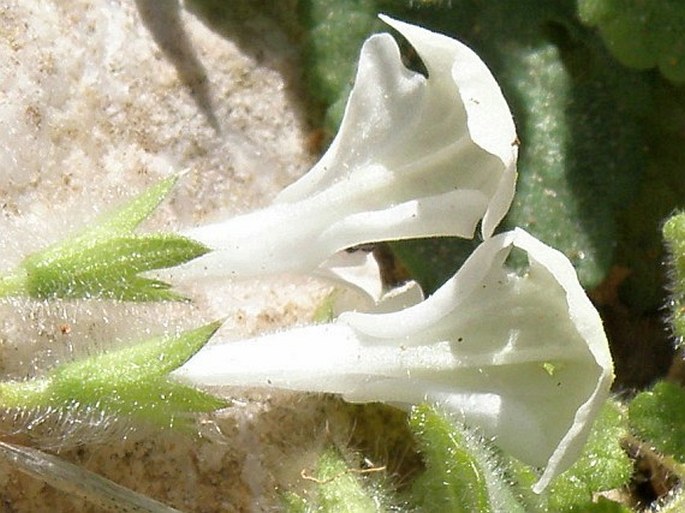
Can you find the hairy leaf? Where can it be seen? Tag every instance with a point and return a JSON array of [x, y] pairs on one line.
[[658, 417]]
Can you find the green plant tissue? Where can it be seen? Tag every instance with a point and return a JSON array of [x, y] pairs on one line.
[[602, 466], [661, 191], [641, 34], [462, 473], [337, 489], [129, 381], [103, 260], [674, 235], [658, 417]]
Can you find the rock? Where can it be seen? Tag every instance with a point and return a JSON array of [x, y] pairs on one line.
[[98, 100]]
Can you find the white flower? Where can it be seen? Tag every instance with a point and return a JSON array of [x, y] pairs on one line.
[[415, 156], [521, 356], [361, 285]]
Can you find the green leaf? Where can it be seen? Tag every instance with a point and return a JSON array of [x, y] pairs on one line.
[[461, 474], [572, 186], [658, 417], [662, 191], [131, 381], [641, 34], [104, 260], [432, 261], [602, 466]]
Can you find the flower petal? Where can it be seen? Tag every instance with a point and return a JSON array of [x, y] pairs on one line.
[[454, 125], [360, 285]]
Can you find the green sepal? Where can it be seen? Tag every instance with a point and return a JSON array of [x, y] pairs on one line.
[[658, 417], [108, 267], [461, 470], [104, 261], [128, 217], [131, 381]]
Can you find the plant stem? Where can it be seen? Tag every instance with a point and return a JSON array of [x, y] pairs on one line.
[[23, 394], [13, 284]]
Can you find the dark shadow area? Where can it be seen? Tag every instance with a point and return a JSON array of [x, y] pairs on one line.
[[268, 32], [640, 346], [163, 19]]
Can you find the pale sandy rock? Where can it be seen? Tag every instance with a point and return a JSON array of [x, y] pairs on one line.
[[98, 100]]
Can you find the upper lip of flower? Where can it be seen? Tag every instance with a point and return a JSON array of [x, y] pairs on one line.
[[455, 123]]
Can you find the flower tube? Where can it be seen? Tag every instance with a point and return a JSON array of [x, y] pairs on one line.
[[415, 156], [521, 356]]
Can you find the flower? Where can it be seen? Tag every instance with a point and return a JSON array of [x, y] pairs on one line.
[[361, 286], [415, 156], [522, 356]]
